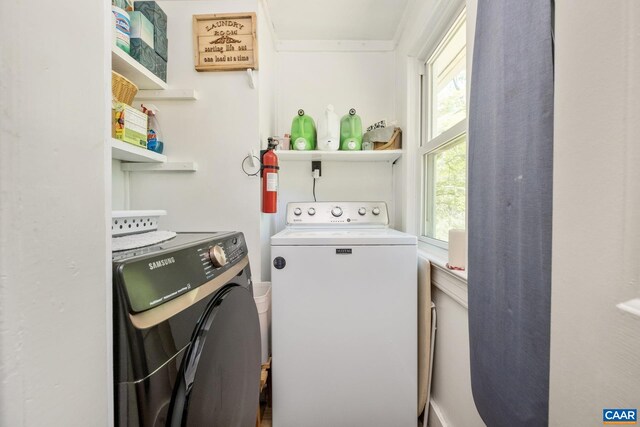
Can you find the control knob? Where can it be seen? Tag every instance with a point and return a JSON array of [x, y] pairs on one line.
[[297, 211], [311, 211], [217, 256], [375, 211], [337, 211], [362, 211]]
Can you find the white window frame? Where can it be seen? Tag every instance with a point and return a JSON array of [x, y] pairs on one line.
[[431, 145]]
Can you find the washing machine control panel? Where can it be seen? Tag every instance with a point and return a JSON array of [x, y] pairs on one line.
[[342, 214]]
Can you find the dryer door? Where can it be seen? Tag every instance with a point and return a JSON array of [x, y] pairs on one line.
[[218, 383]]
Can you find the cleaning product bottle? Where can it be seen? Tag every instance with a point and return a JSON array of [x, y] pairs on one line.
[[154, 135], [351, 131], [303, 132], [329, 130]]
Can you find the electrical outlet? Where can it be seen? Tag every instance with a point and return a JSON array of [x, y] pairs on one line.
[[316, 165]]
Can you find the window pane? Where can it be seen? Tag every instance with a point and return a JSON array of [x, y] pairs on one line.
[[446, 188], [448, 82]]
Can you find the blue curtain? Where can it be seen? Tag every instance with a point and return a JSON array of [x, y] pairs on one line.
[[510, 205]]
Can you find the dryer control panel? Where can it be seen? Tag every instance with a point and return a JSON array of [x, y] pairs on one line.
[[151, 278], [339, 214]]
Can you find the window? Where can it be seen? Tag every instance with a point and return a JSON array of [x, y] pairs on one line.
[[446, 174], [444, 146]]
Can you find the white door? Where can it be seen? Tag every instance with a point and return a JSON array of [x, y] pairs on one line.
[[344, 336]]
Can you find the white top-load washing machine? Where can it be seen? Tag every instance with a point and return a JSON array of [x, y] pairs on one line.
[[344, 318]]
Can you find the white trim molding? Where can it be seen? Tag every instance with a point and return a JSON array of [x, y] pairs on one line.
[[404, 20], [335, 45], [436, 417], [434, 29], [264, 8]]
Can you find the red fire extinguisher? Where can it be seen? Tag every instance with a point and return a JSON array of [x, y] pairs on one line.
[[269, 174]]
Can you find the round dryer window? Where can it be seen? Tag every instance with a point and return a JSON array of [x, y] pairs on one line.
[[218, 383]]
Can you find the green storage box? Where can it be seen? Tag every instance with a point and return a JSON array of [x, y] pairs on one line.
[[161, 68], [144, 54], [154, 13], [141, 28], [161, 45], [158, 18]]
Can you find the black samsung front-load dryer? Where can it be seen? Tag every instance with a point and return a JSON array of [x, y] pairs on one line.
[[186, 334]]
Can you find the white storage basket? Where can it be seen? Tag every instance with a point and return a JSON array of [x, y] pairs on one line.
[[133, 222]]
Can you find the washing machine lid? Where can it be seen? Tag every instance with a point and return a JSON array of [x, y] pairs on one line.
[[218, 383], [342, 237]]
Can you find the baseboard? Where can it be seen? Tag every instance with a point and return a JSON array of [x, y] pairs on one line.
[[436, 419]]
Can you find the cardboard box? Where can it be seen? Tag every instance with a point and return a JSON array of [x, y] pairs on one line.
[[144, 54], [129, 125], [161, 68], [158, 18], [141, 28]]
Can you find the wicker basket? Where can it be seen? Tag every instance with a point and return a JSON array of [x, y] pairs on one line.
[[123, 89]]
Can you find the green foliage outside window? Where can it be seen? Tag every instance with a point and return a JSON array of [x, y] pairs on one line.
[[449, 190]]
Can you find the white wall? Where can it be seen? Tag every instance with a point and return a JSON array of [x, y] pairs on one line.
[[54, 255], [267, 74], [340, 181], [267, 119], [451, 399], [311, 81], [216, 131], [596, 227], [119, 186], [218, 135]]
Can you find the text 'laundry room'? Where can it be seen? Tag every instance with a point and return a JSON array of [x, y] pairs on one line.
[[291, 213]]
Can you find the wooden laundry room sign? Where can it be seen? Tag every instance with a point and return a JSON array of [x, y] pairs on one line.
[[224, 42]]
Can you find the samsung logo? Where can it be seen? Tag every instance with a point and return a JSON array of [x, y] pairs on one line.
[[620, 416], [161, 263], [343, 251]]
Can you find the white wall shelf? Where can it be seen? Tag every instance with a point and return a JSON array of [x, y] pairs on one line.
[[160, 167], [123, 63], [340, 156], [130, 153], [167, 95]]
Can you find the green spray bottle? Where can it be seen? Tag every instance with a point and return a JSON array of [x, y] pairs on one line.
[[303, 132], [351, 131]]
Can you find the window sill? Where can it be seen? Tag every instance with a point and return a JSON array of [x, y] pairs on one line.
[[438, 257], [451, 282]]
